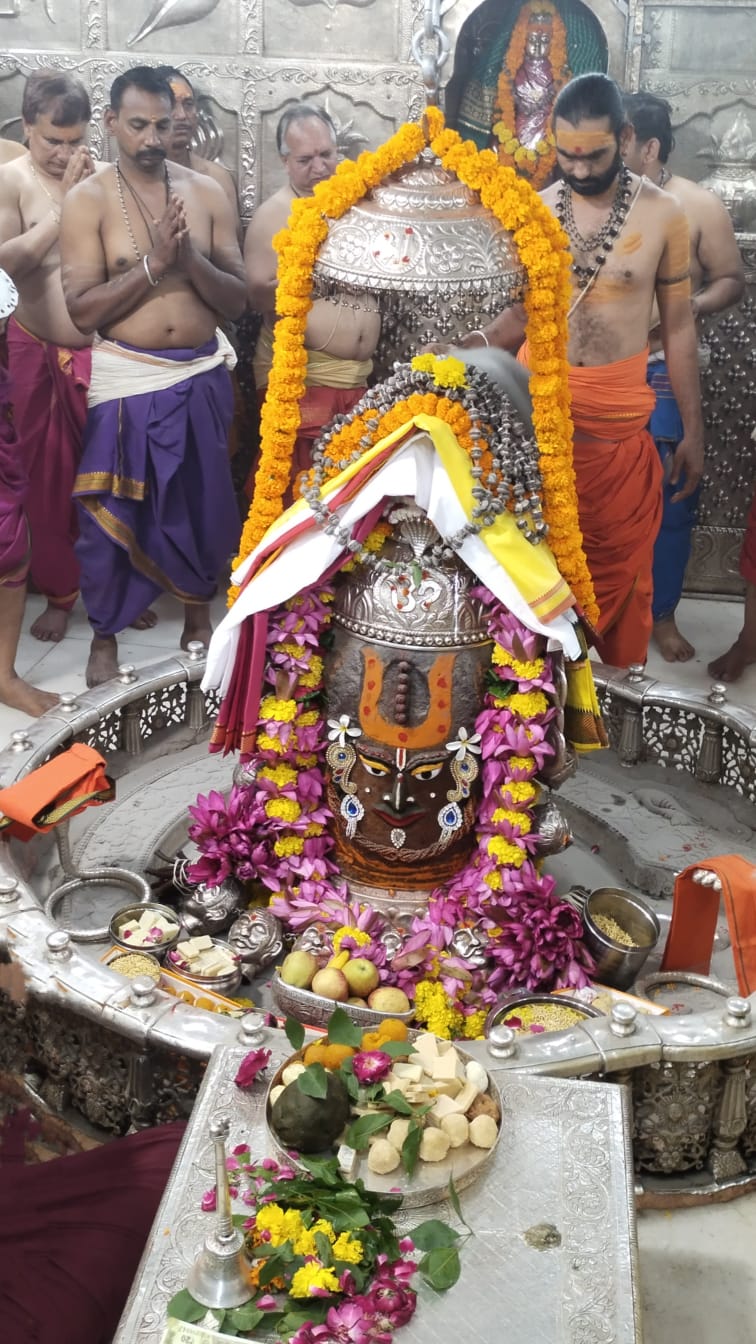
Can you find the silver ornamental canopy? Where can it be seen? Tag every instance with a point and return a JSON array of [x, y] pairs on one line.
[[420, 232]]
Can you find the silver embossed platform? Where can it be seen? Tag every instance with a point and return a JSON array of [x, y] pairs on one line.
[[553, 1259]]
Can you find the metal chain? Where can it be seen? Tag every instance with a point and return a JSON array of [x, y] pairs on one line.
[[430, 49]]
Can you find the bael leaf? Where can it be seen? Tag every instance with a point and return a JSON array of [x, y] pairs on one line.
[[184, 1307], [358, 1133], [314, 1081], [245, 1317], [433, 1233], [398, 1103], [454, 1201], [441, 1268], [295, 1033], [342, 1030]]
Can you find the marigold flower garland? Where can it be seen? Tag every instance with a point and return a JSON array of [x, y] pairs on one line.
[[534, 164], [542, 248]]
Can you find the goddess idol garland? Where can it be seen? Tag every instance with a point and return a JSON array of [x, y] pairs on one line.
[[400, 769]]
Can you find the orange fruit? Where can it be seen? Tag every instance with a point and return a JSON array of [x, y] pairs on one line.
[[335, 1055], [372, 1040]]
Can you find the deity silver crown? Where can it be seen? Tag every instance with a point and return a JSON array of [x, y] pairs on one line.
[[413, 601]]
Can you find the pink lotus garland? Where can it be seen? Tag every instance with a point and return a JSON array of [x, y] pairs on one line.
[[533, 938]]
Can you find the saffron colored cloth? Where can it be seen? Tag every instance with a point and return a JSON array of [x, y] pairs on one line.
[[672, 549], [619, 480], [15, 548], [748, 553], [694, 919], [157, 505], [49, 389], [317, 409], [72, 1232]]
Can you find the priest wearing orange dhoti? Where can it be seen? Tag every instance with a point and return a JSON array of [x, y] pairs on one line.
[[629, 246]]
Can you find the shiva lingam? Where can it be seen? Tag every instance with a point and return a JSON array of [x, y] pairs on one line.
[[405, 680]]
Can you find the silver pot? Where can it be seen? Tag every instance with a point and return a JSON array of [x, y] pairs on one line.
[[616, 964]]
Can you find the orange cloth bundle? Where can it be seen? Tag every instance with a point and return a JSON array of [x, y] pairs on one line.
[[694, 918], [63, 786]]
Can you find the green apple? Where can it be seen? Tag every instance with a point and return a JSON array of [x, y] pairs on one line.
[[362, 976], [298, 969]]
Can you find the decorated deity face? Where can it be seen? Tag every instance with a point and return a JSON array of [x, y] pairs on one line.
[[403, 758]]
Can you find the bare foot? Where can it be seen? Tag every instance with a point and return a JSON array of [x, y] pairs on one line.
[[732, 664], [103, 660], [197, 627], [18, 694], [146, 621], [673, 646], [51, 626]]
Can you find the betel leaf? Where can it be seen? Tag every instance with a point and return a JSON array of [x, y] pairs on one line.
[[411, 1147], [244, 1318], [314, 1081], [441, 1268], [396, 1049], [342, 1030], [398, 1103], [359, 1132], [429, 1235], [295, 1033], [184, 1307]]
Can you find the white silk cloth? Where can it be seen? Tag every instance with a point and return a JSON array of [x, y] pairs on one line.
[[414, 472], [119, 372]]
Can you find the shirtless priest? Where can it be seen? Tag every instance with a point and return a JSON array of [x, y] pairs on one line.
[[151, 264]]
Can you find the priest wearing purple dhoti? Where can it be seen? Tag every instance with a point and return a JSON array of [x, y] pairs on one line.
[[151, 264]]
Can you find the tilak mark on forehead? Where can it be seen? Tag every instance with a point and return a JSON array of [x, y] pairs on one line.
[[584, 142]]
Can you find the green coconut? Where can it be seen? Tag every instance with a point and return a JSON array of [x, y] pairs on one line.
[[310, 1124]]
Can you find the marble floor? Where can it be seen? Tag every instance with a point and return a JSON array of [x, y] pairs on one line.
[[697, 1277]]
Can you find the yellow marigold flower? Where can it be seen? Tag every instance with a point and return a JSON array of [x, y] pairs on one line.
[[528, 704], [350, 931], [526, 671], [284, 809], [314, 828], [519, 819], [288, 845], [305, 1243], [282, 711], [348, 1248], [267, 743], [433, 1007], [310, 1277], [493, 880], [519, 791], [474, 1025], [450, 372], [306, 762], [505, 853], [309, 717], [375, 540], [278, 774], [423, 363], [282, 1226], [294, 650], [522, 762]]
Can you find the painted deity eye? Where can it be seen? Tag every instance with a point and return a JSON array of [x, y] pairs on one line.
[[374, 767], [431, 770]]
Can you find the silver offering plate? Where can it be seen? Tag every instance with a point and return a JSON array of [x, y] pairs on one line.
[[428, 1183]]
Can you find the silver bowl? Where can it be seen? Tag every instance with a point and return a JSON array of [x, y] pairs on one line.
[[509, 1004], [122, 917], [616, 964], [225, 984], [315, 1010], [152, 968]]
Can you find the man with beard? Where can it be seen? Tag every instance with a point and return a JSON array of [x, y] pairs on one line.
[[48, 358], [151, 264], [630, 247], [341, 335], [718, 281], [185, 124]]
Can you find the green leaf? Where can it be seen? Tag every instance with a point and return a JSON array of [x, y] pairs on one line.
[[429, 1235], [398, 1103], [323, 1247], [397, 1049], [184, 1307], [358, 1133], [342, 1030], [350, 1082], [454, 1201], [295, 1033], [441, 1268], [244, 1318], [411, 1147], [314, 1081], [325, 1169]]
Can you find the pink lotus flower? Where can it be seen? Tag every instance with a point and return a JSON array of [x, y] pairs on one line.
[[371, 1066], [252, 1064]]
